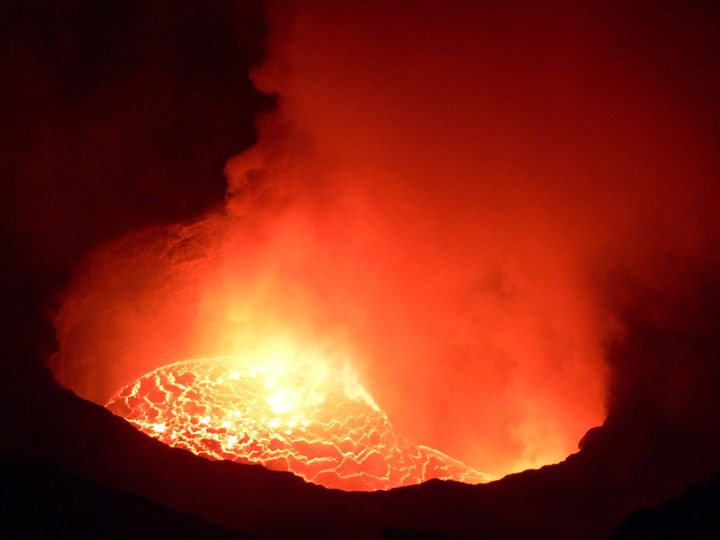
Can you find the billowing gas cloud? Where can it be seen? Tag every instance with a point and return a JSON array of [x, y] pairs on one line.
[[442, 199]]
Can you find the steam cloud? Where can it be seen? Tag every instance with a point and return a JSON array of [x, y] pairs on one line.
[[459, 196]]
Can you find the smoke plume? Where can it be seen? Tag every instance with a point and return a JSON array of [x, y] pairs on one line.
[[453, 198]]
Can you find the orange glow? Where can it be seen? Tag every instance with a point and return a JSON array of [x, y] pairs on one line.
[[437, 207], [325, 429]]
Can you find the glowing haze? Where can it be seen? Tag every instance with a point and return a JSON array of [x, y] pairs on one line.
[[431, 204]]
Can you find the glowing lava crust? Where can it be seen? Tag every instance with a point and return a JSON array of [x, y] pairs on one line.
[[337, 437]]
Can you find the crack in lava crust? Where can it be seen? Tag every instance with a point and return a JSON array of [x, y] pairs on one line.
[[218, 409]]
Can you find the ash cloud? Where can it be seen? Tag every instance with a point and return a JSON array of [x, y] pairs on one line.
[[451, 193]]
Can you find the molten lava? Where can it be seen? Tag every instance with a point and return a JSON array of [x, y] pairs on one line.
[[318, 424]]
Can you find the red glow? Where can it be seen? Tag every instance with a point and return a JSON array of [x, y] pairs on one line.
[[431, 203]]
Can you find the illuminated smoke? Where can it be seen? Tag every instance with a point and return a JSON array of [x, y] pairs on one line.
[[436, 199]]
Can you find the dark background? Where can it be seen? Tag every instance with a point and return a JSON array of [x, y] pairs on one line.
[[117, 116]]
